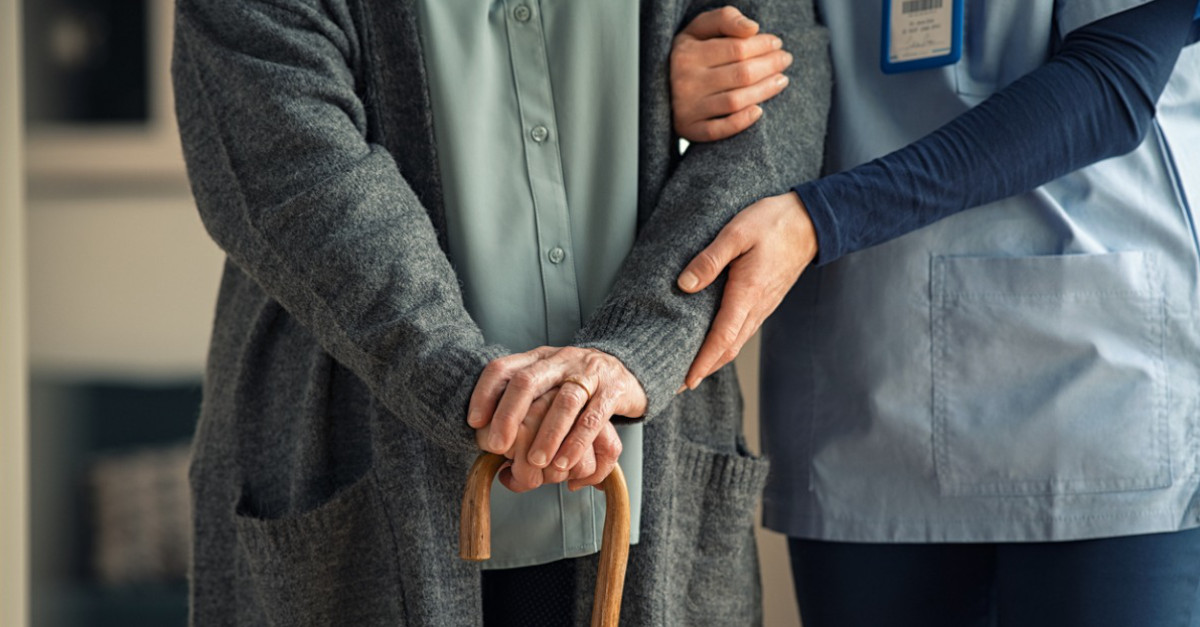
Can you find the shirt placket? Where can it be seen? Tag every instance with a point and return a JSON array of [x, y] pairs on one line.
[[535, 97], [556, 259]]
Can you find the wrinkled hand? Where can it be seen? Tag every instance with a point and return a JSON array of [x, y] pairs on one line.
[[766, 247], [518, 475], [721, 70], [589, 387]]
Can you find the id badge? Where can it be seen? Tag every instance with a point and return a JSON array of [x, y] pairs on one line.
[[921, 34]]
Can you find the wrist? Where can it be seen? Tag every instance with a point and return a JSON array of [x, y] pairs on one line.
[[806, 233]]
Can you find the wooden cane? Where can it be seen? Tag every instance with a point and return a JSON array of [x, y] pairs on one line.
[[475, 533]]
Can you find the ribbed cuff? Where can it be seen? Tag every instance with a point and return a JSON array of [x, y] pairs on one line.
[[440, 392], [651, 353]]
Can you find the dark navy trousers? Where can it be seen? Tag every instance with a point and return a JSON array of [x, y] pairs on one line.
[[1135, 581]]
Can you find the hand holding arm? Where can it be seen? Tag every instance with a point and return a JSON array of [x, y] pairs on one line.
[[1093, 100], [721, 70], [765, 247]]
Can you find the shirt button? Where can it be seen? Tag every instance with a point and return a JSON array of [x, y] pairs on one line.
[[522, 13], [557, 255], [539, 133]]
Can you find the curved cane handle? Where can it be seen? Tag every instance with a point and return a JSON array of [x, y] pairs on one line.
[[475, 534]]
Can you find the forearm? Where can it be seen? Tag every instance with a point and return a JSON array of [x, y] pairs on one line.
[[1093, 100], [647, 322], [288, 186]]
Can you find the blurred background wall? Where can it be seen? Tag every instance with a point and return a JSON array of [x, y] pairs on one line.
[[14, 527], [122, 281]]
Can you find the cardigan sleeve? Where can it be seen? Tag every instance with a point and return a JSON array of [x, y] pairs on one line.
[[654, 328], [287, 184]]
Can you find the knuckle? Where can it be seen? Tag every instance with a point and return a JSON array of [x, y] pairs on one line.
[[523, 381], [736, 231], [495, 369], [708, 262], [612, 448], [727, 335], [590, 421], [726, 102], [595, 362], [737, 49], [706, 132], [743, 74]]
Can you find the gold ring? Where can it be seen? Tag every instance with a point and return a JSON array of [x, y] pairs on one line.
[[581, 384]]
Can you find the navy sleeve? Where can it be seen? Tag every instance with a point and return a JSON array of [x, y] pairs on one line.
[[1195, 26], [1094, 99]]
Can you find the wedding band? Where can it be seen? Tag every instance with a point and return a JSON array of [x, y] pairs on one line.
[[581, 384]]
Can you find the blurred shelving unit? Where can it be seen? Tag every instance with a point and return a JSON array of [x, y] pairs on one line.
[[122, 284]]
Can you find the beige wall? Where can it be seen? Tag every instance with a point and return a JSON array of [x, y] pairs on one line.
[[14, 569], [121, 284]]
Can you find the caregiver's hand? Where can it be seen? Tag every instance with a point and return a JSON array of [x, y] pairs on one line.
[[593, 386], [766, 247], [721, 69]]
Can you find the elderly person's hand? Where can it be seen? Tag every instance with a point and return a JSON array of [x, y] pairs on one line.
[[721, 70], [592, 387], [766, 247], [519, 475]]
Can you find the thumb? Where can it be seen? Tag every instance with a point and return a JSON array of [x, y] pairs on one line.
[[723, 22], [706, 266]]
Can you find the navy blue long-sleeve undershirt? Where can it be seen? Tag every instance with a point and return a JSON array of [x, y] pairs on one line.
[[1094, 99]]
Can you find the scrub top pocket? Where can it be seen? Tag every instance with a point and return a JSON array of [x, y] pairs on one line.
[[1048, 375]]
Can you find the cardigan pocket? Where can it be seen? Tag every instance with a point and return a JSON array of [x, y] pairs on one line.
[[1048, 375], [333, 565], [712, 535]]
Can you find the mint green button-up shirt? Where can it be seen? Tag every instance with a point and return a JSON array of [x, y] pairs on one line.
[[535, 117]]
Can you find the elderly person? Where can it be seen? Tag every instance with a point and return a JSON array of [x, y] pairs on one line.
[[408, 190]]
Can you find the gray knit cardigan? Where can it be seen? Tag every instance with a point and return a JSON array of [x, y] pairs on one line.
[[332, 446]]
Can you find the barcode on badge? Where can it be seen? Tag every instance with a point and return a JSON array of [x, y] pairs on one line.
[[915, 6]]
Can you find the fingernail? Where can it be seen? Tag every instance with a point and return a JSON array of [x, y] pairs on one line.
[[747, 23], [496, 441], [537, 458], [757, 113], [561, 463], [782, 81], [473, 418], [688, 281], [681, 389], [789, 58], [776, 43]]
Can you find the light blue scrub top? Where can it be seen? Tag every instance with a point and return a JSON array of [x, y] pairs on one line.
[[535, 118], [1024, 371]]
